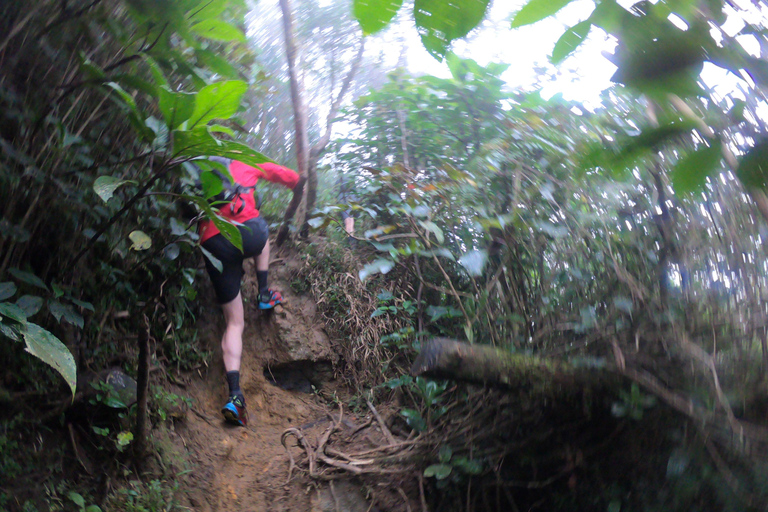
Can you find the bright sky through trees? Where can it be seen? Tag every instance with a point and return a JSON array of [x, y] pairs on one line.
[[581, 77]]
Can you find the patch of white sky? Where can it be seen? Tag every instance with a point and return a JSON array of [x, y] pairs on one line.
[[581, 77], [584, 75]]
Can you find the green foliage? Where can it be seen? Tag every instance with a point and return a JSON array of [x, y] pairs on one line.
[[632, 403], [14, 325], [79, 501], [537, 10], [440, 23], [374, 15], [153, 496]]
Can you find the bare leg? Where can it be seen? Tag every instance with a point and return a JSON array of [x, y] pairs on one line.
[[262, 260], [349, 226], [232, 340]]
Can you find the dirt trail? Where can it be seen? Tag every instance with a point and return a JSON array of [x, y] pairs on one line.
[[246, 469]]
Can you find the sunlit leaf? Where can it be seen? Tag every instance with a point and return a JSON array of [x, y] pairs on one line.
[[105, 186], [537, 10], [374, 15], [569, 41], [176, 107], [440, 251], [47, 347], [141, 241], [218, 30], [216, 63], [217, 101], [690, 173], [217, 128], [381, 265], [441, 22], [434, 229], [474, 261], [127, 98], [200, 142]]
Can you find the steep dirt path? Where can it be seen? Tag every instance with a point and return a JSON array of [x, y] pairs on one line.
[[246, 469]]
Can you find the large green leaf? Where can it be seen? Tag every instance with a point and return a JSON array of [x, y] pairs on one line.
[[374, 15], [176, 107], [27, 277], [12, 311], [537, 10], [216, 63], [66, 312], [218, 30], [440, 22], [7, 290], [30, 304], [569, 41], [753, 168], [217, 101], [690, 173], [200, 142], [105, 186], [47, 347]]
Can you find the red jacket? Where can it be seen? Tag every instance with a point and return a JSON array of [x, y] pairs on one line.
[[248, 176]]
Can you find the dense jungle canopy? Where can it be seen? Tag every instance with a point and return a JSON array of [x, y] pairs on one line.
[[547, 303]]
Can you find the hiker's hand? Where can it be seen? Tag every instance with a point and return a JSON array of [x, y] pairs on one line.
[[300, 185]]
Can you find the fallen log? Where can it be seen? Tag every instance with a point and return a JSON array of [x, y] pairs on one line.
[[483, 364]]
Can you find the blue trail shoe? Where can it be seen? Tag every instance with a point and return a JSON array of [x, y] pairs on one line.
[[234, 411], [270, 299]]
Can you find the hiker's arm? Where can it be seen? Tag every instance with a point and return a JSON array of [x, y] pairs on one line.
[[281, 175]]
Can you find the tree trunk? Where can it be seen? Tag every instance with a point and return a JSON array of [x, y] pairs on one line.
[[299, 117], [483, 364]]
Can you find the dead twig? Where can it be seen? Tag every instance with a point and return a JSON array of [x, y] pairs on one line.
[[383, 426]]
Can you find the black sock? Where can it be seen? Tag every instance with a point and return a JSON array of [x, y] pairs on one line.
[[261, 275], [233, 379]]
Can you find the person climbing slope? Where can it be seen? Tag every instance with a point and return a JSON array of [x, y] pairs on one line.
[[242, 209]]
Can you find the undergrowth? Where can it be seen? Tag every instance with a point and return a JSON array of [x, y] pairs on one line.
[[347, 306]]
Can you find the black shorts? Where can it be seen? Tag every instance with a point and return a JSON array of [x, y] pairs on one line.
[[226, 284]]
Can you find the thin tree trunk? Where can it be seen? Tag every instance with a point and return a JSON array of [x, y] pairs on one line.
[[299, 117], [142, 381]]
